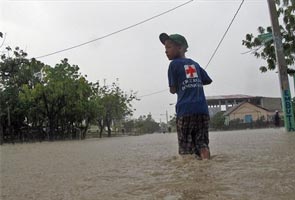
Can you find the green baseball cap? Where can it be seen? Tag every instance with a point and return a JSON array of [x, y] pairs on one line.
[[179, 39]]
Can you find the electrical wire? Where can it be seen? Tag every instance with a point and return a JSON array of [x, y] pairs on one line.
[[116, 32], [150, 94], [253, 50], [146, 95], [144, 21], [216, 49]]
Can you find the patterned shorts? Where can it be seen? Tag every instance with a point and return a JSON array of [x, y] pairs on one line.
[[192, 132]]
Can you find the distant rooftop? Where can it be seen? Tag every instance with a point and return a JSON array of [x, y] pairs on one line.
[[270, 103], [232, 109], [235, 96]]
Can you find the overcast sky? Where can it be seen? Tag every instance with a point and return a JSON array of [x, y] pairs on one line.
[[136, 56]]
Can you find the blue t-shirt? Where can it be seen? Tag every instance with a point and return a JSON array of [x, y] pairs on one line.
[[188, 78]]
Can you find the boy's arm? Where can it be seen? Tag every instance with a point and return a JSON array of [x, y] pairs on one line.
[[172, 79], [206, 80]]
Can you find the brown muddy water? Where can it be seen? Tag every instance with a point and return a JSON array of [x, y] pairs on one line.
[[252, 164]]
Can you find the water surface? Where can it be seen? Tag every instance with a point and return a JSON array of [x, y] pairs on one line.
[[251, 164]]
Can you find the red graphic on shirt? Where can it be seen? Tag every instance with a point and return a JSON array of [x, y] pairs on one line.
[[190, 71]]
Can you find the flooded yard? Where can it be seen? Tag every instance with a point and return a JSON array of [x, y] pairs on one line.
[[250, 164]]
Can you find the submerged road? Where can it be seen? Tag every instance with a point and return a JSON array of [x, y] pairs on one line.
[[250, 164]]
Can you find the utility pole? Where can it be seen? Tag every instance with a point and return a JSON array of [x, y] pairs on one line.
[[167, 117], [282, 68], [1, 134], [1, 130]]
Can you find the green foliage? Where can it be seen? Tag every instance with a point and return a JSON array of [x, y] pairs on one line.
[[144, 124], [172, 124], [112, 105], [15, 71], [57, 100], [217, 121], [264, 48], [129, 126]]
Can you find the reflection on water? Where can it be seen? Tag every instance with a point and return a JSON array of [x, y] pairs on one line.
[[254, 164]]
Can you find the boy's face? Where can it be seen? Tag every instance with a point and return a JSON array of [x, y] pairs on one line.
[[173, 50]]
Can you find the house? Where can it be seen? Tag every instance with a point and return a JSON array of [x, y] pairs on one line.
[[225, 102], [247, 112]]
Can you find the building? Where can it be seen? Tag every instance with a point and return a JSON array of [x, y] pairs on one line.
[[246, 112], [225, 102], [244, 109]]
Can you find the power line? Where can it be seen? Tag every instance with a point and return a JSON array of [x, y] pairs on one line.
[[213, 52], [150, 94], [116, 32], [225, 33], [144, 21]]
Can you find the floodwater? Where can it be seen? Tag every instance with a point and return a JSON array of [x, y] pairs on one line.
[[252, 164]]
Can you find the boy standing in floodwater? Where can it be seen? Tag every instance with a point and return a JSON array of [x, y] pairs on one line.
[[186, 79]]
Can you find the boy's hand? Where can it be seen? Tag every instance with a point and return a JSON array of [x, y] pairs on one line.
[[173, 90]]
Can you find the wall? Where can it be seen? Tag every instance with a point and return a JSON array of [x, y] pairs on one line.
[[249, 109]]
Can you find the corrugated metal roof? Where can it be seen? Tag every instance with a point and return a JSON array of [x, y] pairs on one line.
[[236, 96]]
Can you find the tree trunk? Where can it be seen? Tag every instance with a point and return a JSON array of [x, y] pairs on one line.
[[1, 134], [84, 131], [51, 129], [101, 126], [108, 123], [100, 132], [109, 131]]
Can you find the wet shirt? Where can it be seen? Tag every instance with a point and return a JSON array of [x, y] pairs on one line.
[[188, 78]]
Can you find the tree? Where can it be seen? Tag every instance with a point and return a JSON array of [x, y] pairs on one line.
[[129, 125], [264, 47], [15, 71], [217, 121], [113, 105], [54, 102], [35, 96], [62, 98], [98, 109], [172, 123], [1, 117], [146, 124]]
